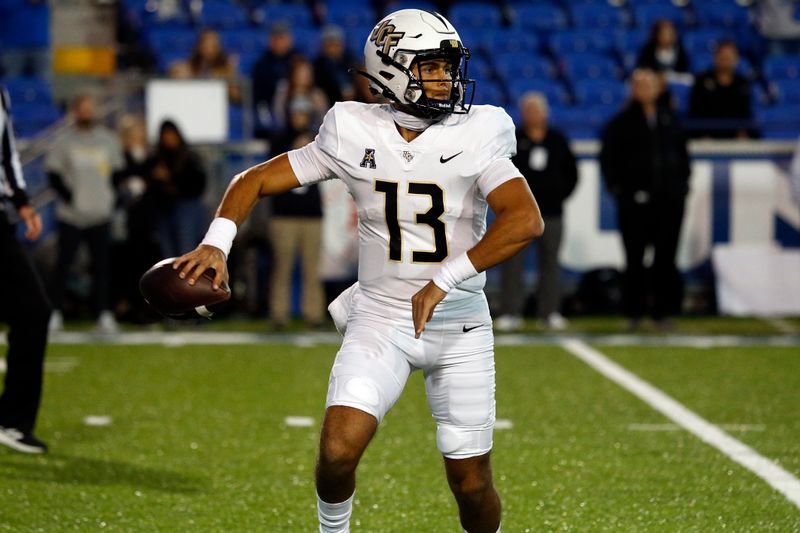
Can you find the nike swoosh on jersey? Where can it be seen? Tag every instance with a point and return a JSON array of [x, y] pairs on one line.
[[443, 159], [465, 329]]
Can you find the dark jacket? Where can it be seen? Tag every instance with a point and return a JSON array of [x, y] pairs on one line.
[[556, 180], [637, 157], [648, 59], [710, 100], [187, 178]]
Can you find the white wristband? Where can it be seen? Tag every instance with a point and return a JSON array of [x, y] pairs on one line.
[[220, 234], [454, 272]]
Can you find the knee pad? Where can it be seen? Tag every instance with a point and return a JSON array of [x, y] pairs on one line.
[[456, 442], [358, 392]]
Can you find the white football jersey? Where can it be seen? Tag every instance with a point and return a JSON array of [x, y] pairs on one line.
[[419, 202]]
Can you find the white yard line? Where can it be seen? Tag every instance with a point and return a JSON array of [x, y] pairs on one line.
[[774, 475], [781, 325], [674, 427]]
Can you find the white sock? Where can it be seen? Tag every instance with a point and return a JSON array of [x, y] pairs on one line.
[[334, 517]]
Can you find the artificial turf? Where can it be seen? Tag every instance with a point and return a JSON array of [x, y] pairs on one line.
[[198, 442]]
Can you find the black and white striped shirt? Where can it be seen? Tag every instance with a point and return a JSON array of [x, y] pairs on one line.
[[12, 182]]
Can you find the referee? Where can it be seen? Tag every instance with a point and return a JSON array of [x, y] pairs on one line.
[[23, 306]]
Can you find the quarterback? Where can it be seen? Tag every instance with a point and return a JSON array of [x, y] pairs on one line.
[[423, 169]]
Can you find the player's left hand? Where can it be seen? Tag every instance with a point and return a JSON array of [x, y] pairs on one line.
[[422, 305], [32, 220]]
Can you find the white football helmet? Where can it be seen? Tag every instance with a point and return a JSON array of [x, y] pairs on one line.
[[408, 35]]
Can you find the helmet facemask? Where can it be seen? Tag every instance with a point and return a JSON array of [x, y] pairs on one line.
[[462, 89]]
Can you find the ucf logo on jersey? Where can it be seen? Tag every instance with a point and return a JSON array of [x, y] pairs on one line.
[[385, 36]]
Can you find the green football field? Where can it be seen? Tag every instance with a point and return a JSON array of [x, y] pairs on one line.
[[198, 440]]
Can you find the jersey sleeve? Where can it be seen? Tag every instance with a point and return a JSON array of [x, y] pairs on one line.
[[319, 160], [496, 167]]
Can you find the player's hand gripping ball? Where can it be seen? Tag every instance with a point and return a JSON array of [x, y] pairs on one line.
[[173, 297]]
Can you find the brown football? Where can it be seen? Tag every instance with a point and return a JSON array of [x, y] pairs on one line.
[[173, 297]]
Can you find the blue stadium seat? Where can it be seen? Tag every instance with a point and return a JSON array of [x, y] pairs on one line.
[[788, 93], [473, 37], [142, 15], [489, 93], [307, 41], [409, 4], [779, 122], [513, 111], [581, 41], [584, 122], [510, 40], [235, 123], [600, 93], [479, 69], [721, 14], [511, 66], [335, 5], [595, 66], [628, 44], [32, 117], [598, 15], [165, 59], [350, 17], [223, 15], [646, 15], [171, 40], [295, 15], [24, 90], [671, 3], [704, 40], [782, 67], [247, 41], [247, 61], [555, 92], [475, 15], [540, 17], [356, 38]]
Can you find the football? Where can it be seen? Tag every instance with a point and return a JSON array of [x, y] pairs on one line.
[[173, 297]]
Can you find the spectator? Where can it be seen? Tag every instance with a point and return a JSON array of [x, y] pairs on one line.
[[209, 60], [177, 182], [548, 165], [25, 31], [331, 67], [296, 229], [645, 166], [81, 169], [720, 98], [777, 21], [24, 305], [299, 84], [663, 52], [139, 249], [269, 70]]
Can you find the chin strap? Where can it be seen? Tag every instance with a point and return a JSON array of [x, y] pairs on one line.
[[411, 122]]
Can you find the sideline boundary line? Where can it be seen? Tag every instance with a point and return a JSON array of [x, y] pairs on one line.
[[778, 478], [185, 337]]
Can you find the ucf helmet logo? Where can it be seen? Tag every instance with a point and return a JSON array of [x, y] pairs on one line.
[[384, 36]]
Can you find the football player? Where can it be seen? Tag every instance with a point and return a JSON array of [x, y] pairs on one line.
[[422, 169]]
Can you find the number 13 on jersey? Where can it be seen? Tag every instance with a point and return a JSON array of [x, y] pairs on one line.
[[431, 218]]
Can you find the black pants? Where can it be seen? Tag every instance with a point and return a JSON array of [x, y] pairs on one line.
[[98, 238], [656, 223], [25, 308]]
